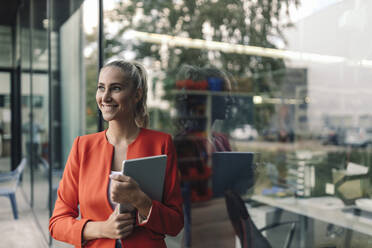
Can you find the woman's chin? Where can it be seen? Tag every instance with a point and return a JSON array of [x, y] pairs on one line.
[[117, 116], [107, 117]]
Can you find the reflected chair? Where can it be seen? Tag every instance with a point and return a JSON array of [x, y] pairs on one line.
[[56, 178], [8, 185], [249, 235], [186, 194]]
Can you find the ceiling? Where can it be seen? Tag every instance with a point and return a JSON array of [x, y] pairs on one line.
[[8, 12], [62, 10]]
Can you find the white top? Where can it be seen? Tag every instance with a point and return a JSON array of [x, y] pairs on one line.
[[113, 204]]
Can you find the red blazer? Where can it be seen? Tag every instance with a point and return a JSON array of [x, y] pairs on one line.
[[85, 182]]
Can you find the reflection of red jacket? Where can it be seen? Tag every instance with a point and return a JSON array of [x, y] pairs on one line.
[[85, 183]]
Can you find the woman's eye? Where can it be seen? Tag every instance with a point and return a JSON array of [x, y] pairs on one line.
[[116, 88], [100, 88]]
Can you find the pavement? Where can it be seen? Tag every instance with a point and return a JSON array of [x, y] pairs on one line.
[[23, 232]]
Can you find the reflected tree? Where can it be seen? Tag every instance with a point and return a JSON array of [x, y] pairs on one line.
[[91, 76], [254, 22]]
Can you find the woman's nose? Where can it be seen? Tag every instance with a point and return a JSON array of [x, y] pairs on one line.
[[106, 96]]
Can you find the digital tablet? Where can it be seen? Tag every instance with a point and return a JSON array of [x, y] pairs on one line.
[[149, 173], [232, 171]]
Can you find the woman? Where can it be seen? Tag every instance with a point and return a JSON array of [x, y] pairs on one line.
[[87, 184]]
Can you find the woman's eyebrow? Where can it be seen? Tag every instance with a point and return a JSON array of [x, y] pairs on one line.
[[113, 84]]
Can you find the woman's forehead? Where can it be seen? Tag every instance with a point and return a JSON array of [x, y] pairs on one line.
[[112, 70], [112, 73]]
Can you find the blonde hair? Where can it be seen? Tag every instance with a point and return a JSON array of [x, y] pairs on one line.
[[136, 73]]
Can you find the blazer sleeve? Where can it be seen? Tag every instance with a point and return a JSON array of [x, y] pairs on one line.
[[64, 225], [167, 217]]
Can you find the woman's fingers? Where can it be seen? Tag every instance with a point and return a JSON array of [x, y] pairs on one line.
[[125, 234], [119, 177], [123, 225], [124, 220], [124, 228], [125, 216], [127, 229], [123, 191], [119, 225]]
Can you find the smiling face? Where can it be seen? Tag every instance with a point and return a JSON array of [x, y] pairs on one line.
[[115, 95]]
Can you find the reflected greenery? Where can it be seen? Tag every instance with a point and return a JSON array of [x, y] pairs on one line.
[[253, 23]]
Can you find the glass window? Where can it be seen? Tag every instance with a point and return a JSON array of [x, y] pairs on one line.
[[90, 31], [67, 75], [5, 121], [38, 144], [287, 82], [23, 47], [72, 83], [5, 47]]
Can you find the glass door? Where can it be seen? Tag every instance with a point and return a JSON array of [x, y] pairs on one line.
[[5, 119]]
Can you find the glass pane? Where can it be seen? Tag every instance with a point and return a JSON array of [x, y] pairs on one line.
[[73, 118], [90, 25], [5, 46], [40, 146], [57, 168], [24, 42], [39, 141], [288, 82], [5, 120], [68, 94]]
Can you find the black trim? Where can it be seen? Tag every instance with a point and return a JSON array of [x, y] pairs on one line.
[[5, 69], [31, 118], [100, 56], [15, 100], [34, 71]]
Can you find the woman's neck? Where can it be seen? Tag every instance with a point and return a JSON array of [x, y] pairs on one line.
[[119, 133]]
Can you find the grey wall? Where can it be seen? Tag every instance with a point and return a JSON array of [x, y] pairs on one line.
[[72, 82]]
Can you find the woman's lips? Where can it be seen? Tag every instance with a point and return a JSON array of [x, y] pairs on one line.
[[108, 106]]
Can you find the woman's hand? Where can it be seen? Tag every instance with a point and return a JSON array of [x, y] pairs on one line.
[[126, 190], [118, 226]]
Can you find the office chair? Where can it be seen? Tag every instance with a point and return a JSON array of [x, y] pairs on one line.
[[249, 235], [186, 194], [9, 183]]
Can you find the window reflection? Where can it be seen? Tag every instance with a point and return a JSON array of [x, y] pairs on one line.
[[200, 113], [299, 97]]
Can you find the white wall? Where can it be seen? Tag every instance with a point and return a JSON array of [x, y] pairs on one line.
[[341, 29]]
